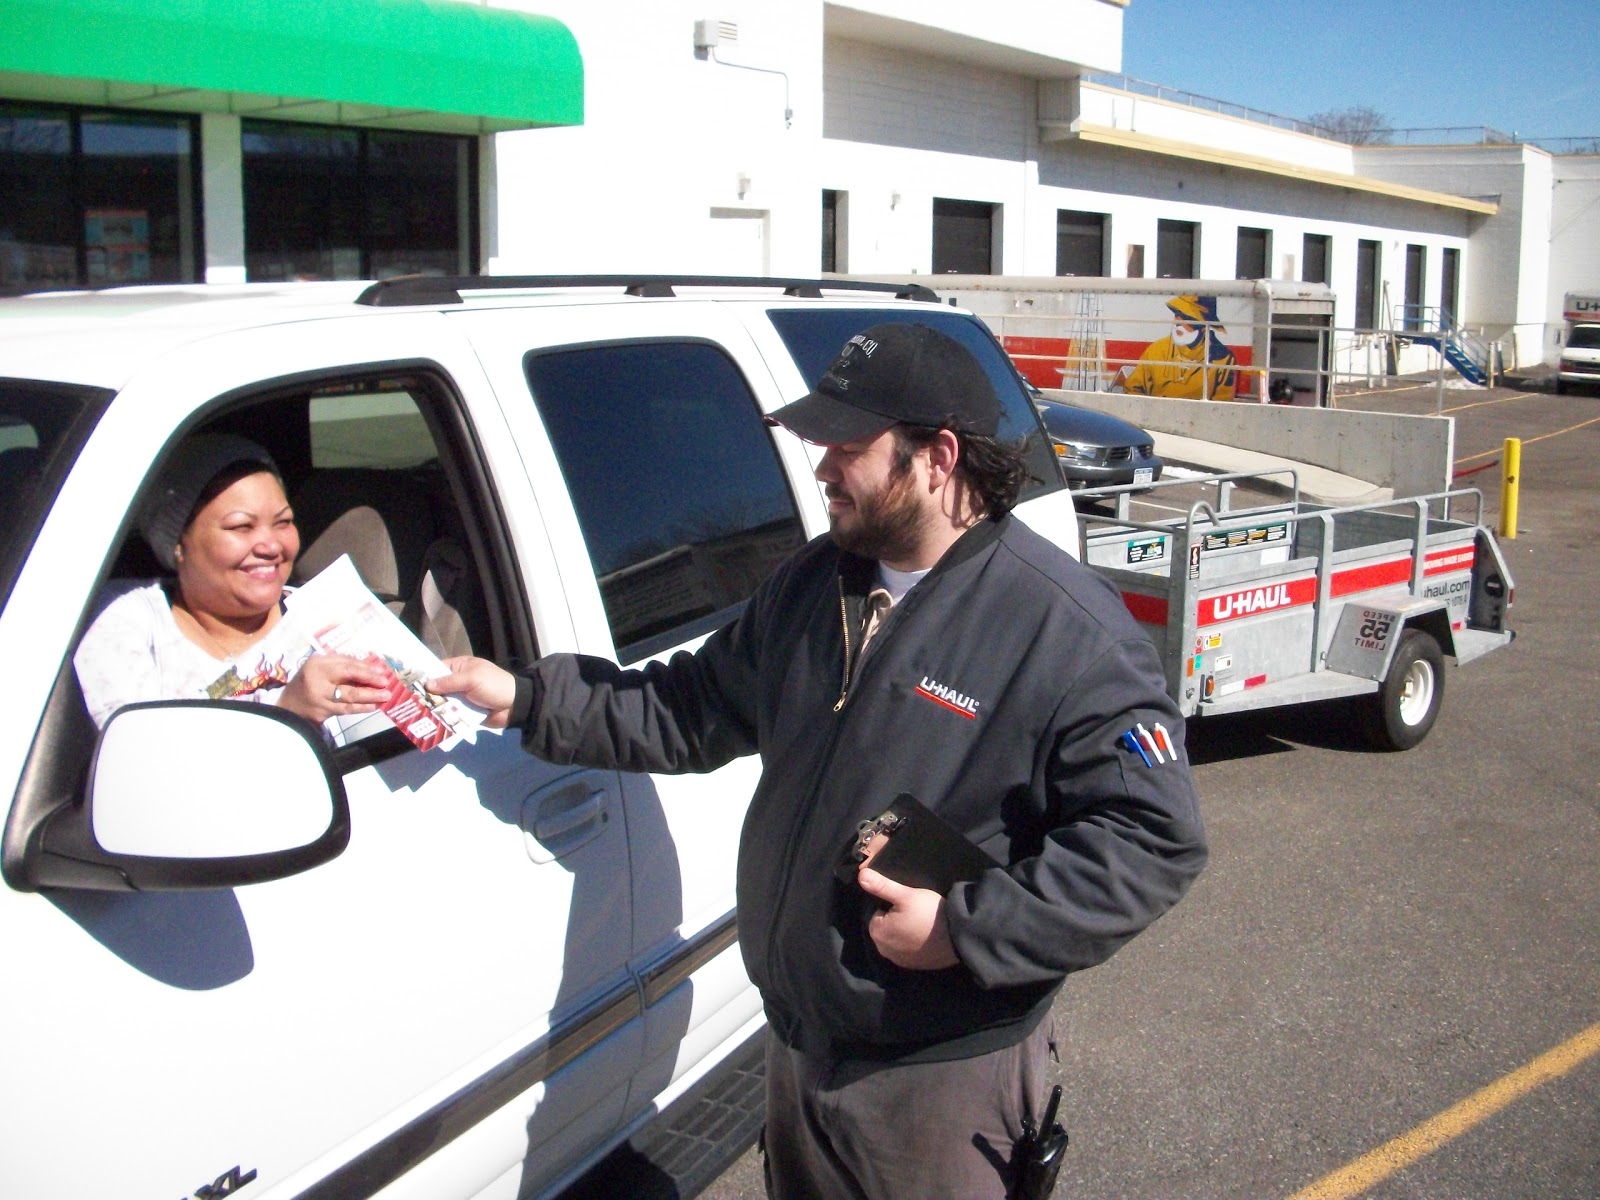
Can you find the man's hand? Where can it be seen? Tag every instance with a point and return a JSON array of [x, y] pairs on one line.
[[479, 682], [910, 932]]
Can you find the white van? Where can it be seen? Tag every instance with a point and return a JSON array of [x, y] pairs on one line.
[[1580, 344], [239, 957]]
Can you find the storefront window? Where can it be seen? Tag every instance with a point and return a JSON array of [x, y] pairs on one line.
[[95, 198], [326, 203]]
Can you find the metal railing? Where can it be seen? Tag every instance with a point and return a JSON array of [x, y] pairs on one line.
[[1143, 87], [1426, 135], [1486, 135], [1342, 358]]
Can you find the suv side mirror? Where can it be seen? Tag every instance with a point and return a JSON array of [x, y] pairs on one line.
[[197, 794]]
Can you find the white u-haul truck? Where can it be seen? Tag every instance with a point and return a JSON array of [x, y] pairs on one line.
[[1579, 366], [1290, 601]]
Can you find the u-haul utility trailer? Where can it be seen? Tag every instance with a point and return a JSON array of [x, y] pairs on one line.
[[1292, 601]]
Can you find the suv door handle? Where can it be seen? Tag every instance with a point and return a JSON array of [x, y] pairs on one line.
[[558, 819]]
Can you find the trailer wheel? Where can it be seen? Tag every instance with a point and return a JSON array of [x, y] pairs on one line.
[[1406, 706]]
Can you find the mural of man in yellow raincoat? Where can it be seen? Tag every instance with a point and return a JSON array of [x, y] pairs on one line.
[[1191, 362]]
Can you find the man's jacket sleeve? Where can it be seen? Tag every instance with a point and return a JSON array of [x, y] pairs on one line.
[[1122, 841], [694, 712]]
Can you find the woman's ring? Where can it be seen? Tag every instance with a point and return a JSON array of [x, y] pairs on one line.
[[336, 695]]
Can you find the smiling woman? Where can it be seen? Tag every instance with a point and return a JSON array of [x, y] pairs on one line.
[[218, 518]]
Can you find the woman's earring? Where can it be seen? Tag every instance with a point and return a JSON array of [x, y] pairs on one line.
[[177, 554]]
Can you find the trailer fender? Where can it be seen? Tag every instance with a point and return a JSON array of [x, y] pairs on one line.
[[1364, 641], [1493, 589]]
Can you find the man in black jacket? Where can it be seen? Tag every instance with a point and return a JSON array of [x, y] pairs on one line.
[[931, 645]]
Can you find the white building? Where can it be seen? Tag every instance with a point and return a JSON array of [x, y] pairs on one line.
[[863, 136]]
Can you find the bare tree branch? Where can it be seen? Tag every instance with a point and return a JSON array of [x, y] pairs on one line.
[[1359, 125]]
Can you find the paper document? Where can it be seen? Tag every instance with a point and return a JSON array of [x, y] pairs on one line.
[[342, 616]]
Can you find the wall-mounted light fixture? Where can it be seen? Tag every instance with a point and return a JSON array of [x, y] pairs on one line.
[[711, 32], [894, 199], [744, 185]]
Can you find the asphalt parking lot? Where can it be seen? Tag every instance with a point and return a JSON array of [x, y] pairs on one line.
[[1386, 984]]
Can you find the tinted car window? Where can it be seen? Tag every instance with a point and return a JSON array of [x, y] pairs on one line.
[[675, 480], [814, 337], [42, 427]]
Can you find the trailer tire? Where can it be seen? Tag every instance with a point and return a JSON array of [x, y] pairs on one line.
[[1407, 704]]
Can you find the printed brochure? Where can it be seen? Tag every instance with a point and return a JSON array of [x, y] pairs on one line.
[[342, 616]]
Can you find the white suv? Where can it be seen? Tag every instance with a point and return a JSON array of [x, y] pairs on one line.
[[443, 974]]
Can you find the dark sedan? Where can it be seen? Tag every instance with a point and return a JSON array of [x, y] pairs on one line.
[[1098, 450]]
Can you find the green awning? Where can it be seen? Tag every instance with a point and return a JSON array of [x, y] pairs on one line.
[[445, 65]]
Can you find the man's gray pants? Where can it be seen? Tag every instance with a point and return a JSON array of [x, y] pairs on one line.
[[877, 1131]]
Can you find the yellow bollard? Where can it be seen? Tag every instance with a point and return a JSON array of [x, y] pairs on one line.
[[1510, 481]]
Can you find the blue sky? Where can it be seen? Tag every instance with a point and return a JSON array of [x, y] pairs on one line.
[[1530, 67]]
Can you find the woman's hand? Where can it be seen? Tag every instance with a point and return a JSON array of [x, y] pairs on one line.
[[335, 685], [481, 683]]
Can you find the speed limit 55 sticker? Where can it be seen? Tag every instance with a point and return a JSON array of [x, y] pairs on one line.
[[1374, 629], [1363, 640]]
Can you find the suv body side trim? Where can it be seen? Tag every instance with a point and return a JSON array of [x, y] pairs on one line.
[[391, 1157]]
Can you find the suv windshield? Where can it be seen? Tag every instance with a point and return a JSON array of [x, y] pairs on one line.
[[42, 427], [814, 337]]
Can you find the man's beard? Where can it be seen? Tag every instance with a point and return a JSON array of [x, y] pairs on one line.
[[886, 523]]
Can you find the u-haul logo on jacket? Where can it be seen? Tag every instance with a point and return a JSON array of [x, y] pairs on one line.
[[1248, 602], [948, 697]]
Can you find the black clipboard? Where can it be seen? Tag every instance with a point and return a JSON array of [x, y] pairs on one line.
[[922, 849]]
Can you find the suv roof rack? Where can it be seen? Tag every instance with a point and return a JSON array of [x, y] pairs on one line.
[[447, 289]]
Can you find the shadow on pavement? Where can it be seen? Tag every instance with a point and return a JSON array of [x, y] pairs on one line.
[[1327, 725]]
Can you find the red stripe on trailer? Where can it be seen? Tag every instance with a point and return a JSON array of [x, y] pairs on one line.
[[1441, 562], [1252, 601], [1255, 681], [1398, 570], [1147, 610], [1371, 575]]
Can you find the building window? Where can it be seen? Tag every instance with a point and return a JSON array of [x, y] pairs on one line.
[[1416, 268], [964, 237], [1253, 253], [1368, 263], [1450, 285], [834, 206], [1176, 244], [1314, 258], [335, 203], [91, 198], [1080, 242]]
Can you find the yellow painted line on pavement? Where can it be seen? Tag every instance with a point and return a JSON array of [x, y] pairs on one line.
[[1372, 1169], [1529, 441], [1493, 400], [1380, 391]]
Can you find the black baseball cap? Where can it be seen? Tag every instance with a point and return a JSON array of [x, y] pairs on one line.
[[897, 373]]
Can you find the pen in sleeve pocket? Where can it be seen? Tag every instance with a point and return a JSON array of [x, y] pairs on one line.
[[1149, 742], [1164, 740]]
